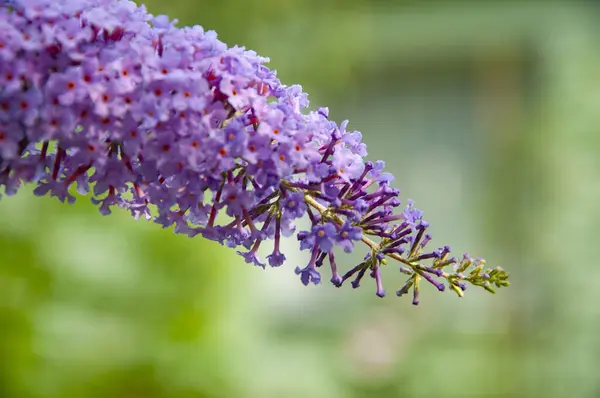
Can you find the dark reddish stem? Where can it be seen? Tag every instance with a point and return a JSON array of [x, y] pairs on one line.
[[60, 153], [213, 211], [44, 151], [80, 170]]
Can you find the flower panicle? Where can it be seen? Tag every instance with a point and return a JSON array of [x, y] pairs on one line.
[[174, 126]]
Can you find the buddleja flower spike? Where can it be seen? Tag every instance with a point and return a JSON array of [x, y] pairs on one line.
[[176, 127]]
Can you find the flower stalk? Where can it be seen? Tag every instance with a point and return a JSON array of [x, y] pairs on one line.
[[172, 124]]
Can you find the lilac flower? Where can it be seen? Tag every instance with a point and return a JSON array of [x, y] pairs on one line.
[[10, 136], [252, 257], [309, 273], [323, 236], [236, 201], [353, 140], [411, 214], [347, 235], [141, 114], [276, 259], [293, 205], [348, 164]]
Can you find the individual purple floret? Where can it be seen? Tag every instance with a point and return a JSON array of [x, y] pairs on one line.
[[293, 205], [347, 235], [171, 124]]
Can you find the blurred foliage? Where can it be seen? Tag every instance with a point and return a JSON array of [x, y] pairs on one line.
[[485, 112], [95, 306]]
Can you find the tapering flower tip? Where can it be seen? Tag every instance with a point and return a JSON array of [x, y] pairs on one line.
[[461, 266]]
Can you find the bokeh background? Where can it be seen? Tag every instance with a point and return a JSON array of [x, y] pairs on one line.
[[486, 112]]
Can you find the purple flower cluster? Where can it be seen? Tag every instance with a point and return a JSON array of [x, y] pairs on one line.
[[174, 126]]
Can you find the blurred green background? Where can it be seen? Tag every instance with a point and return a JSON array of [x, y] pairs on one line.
[[486, 112]]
